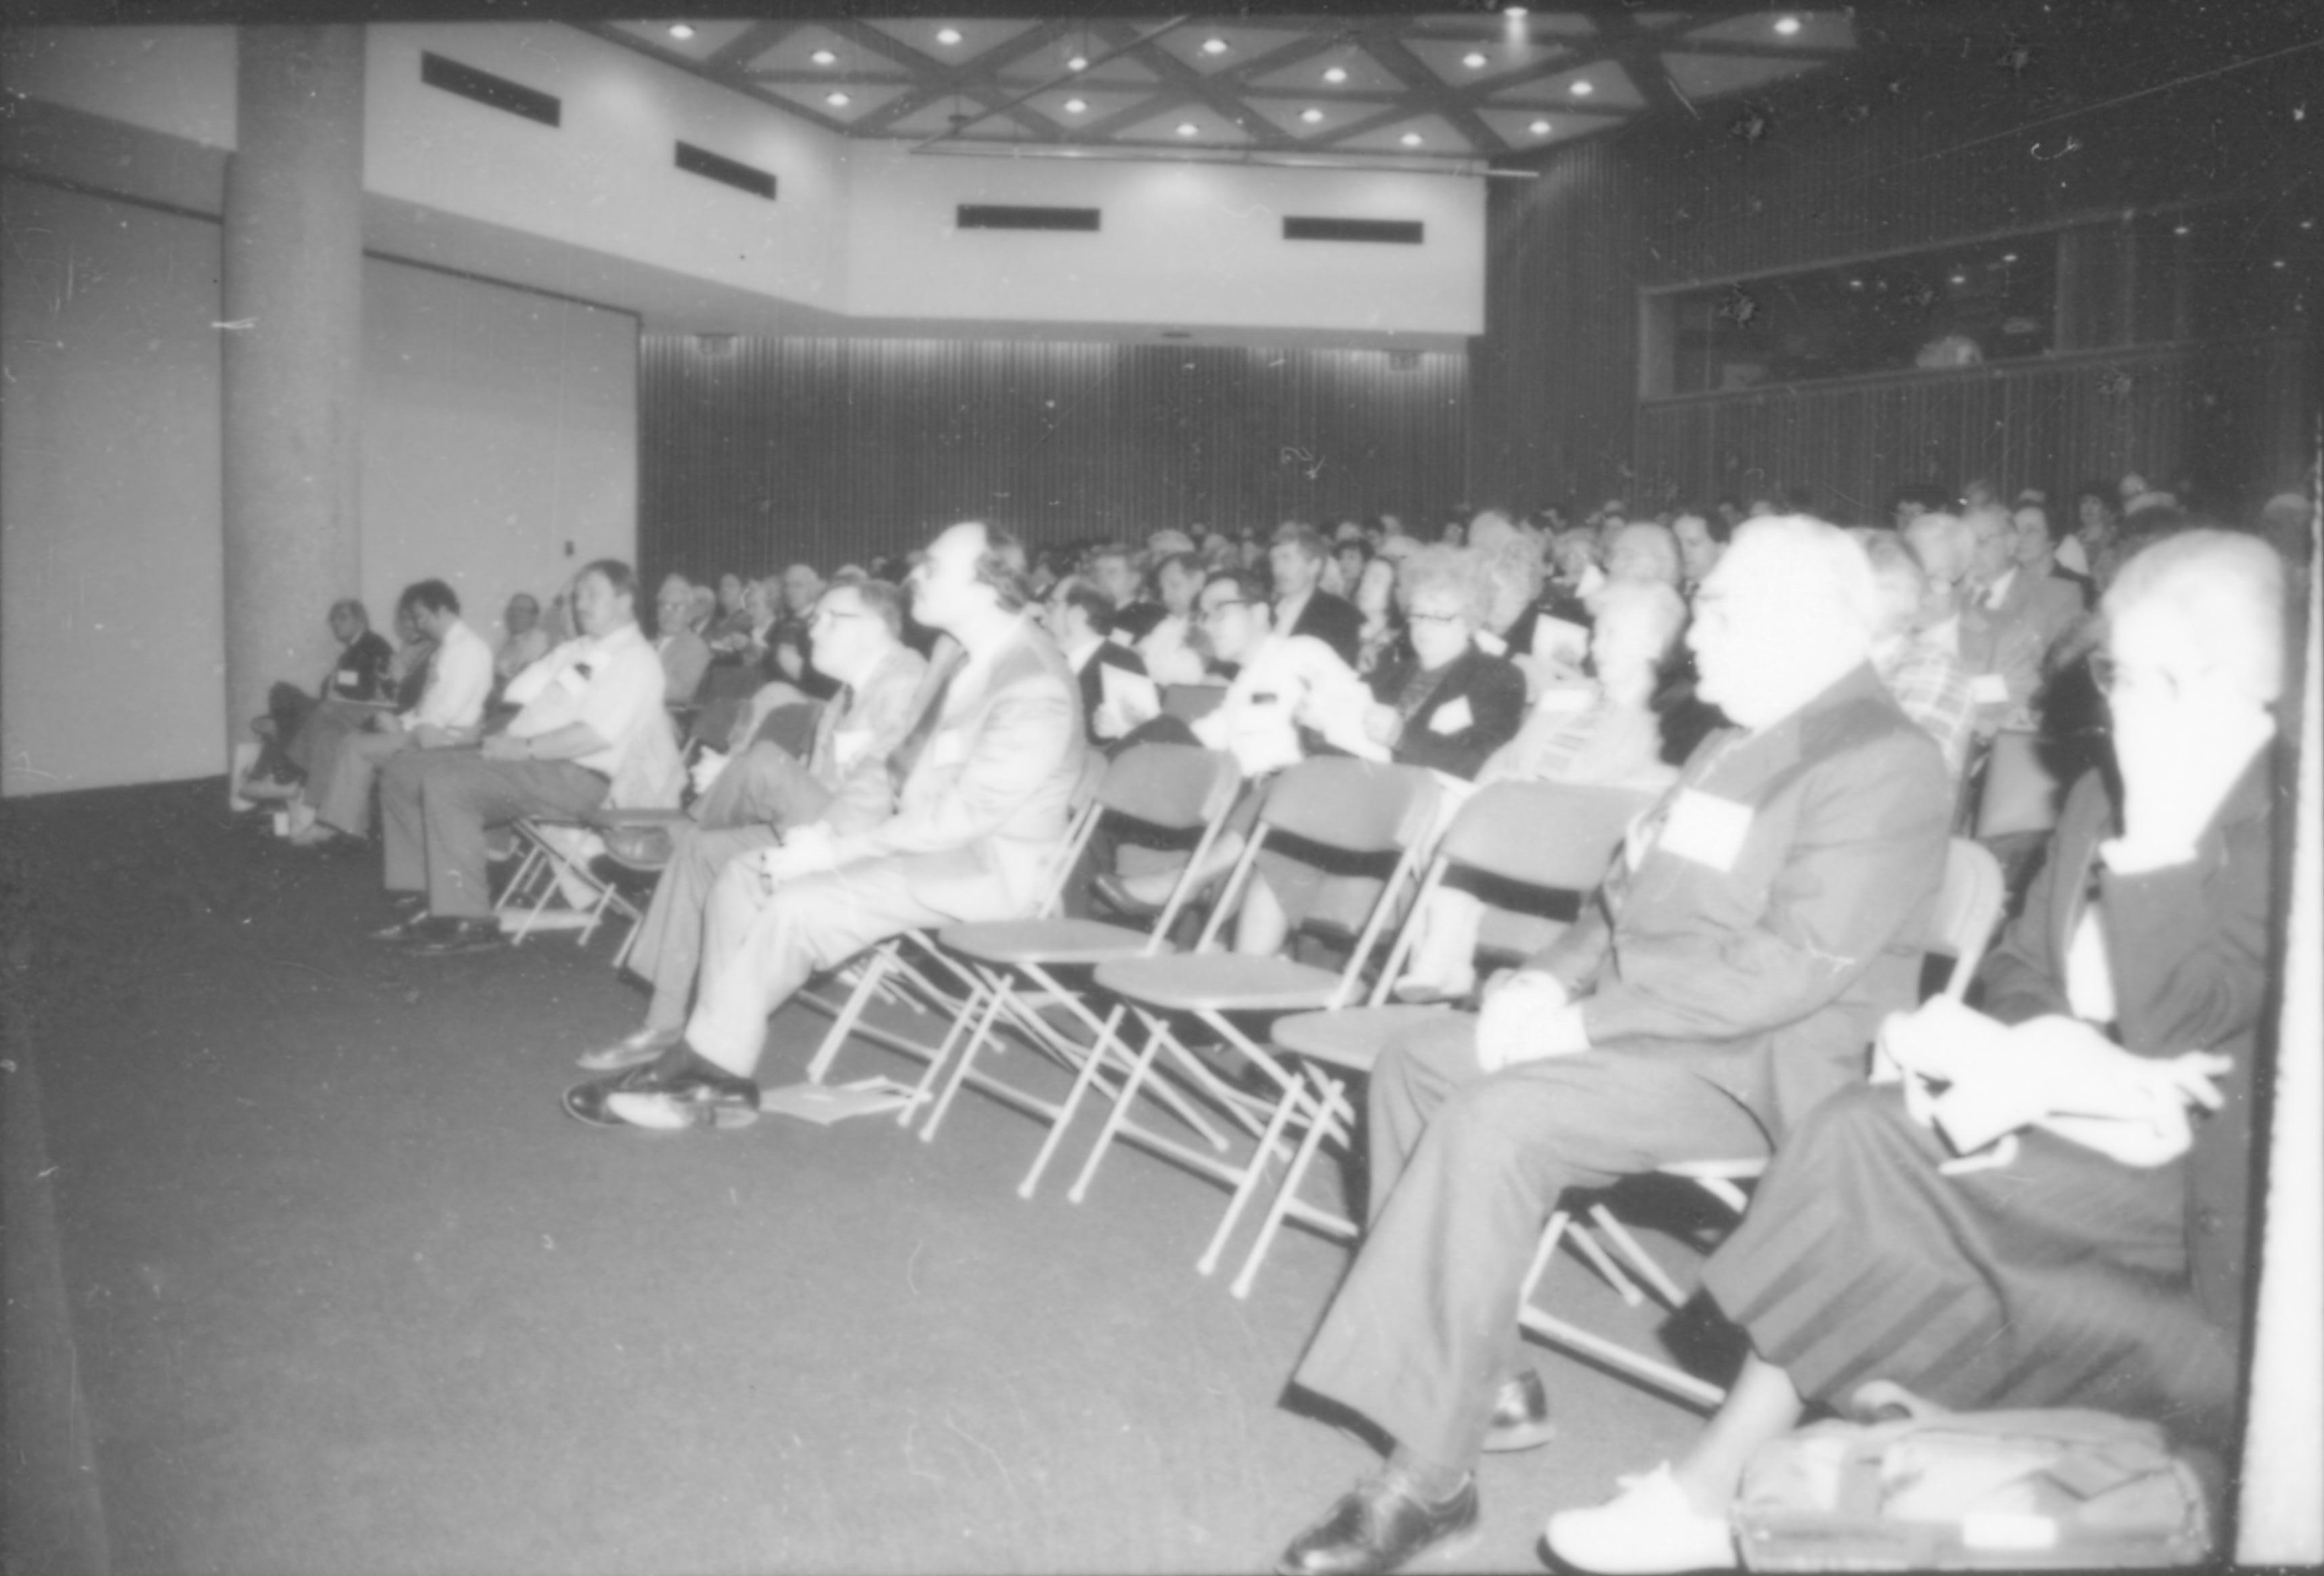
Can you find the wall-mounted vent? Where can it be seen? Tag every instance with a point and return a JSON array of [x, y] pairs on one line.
[[732, 173], [978, 216], [486, 88], [1385, 232]]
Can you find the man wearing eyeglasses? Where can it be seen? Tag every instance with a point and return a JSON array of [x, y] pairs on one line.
[[766, 793], [984, 782], [1284, 682]]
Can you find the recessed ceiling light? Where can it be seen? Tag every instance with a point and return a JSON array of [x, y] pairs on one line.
[[1855, 284], [1473, 60], [1584, 89], [823, 58], [836, 100], [1311, 115], [2182, 229], [950, 35], [1185, 128], [1410, 139], [1215, 46], [1787, 25], [1539, 128], [1336, 75], [1078, 63], [1075, 106], [2277, 263], [679, 30], [1956, 278]]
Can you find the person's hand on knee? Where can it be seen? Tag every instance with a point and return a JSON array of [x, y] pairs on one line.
[[1526, 1017]]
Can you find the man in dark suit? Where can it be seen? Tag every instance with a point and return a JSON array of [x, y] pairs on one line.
[[1113, 570], [1302, 607], [1079, 617], [1727, 976]]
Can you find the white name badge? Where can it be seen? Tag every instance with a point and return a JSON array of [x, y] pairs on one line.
[[1454, 718], [1989, 689], [1709, 830]]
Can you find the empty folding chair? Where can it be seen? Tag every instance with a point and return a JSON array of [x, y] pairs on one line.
[[1546, 837], [1354, 809], [1177, 789], [1961, 927], [913, 970]]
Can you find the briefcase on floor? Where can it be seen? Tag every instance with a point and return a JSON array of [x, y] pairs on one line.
[[1962, 1491]]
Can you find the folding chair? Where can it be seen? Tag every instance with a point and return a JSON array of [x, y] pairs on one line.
[[1353, 807], [1170, 788], [1546, 837], [554, 863], [1960, 926], [913, 970]]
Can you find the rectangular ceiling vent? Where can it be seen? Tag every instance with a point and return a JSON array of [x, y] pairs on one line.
[[732, 173], [486, 88], [975, 215], [1384, 231]]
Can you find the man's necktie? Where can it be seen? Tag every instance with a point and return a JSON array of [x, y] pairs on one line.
[[906, 753]]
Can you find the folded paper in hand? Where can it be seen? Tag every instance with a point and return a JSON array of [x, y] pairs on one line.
[[825, 1103], [1132, 696]]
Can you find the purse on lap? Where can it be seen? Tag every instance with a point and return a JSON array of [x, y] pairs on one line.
[[1990, 1490]]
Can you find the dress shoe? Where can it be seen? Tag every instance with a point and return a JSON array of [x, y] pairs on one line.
[[644, 1045], [1649, 1528], [646, 1096], [1116, 895], [405, 927], [269, 789], [437, 937], [1520, 1418], [1378, 1525]]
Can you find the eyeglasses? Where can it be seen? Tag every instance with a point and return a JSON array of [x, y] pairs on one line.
[[1435, 618], [2115, 678], [1210, 614]]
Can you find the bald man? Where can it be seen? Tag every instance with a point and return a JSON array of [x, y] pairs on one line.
[[1725, 978]]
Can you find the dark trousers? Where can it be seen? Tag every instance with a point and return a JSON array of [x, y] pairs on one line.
[[1465, 1170], [434, 806]]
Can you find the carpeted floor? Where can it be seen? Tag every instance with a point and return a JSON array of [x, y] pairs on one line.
[[349, 1293]]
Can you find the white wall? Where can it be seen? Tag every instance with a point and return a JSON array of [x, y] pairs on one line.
[[500, 439], [112, 640], [1192, 244]]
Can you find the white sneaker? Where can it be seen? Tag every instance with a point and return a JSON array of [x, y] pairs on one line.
[[1650, 1527]]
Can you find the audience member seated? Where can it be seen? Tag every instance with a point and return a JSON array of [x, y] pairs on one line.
[[1380, 638], [1926, 679], [359, 677], [2010, 619], [2094, 1254], [1644, 551], [766, 794], [1302, 607], [1725, 979], [415, 651], [730, 633], [1589, 731], [527, 642], [1701, 538], [1172, 648], [684, 655], [988, 774], [1447, 707], [591, 733], [1079, 617], [450, 711], [2037, 548], [1113, 570]]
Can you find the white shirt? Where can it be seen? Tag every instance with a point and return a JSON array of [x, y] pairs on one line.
[[614, 685], [1289, 680], [459, 678], [1995, 593]]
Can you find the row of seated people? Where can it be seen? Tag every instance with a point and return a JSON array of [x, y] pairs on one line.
[[1716, 996]]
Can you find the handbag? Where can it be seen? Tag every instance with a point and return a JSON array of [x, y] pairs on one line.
[[1973, 1490]]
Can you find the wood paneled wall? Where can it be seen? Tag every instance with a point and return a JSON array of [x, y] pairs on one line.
[[757, 452], [1884, 158]]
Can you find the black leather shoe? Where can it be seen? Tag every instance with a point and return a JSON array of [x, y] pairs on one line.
[[1378, 1525], [438, 938], [1116, 895], [1520, 1415], [405, 927], [646, 1096]]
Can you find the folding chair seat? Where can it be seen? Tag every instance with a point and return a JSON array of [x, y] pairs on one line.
[[1351, 808], [913, 970], [1171, 790], [1961, 927], [553, 866], [1546, 837]]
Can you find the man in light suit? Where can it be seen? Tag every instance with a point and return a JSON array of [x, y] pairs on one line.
[[766, 794], [1727, 976], [2015, 613], [987, 773]]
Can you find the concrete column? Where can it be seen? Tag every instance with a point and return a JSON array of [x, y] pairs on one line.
[[293, 356]]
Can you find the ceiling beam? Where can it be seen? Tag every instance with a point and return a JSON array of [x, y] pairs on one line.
[[1176, 73]]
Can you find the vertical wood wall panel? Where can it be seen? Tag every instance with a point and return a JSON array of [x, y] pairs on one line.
[[1885, 159], [758, 452]]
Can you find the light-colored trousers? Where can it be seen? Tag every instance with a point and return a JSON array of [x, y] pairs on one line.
[[340, 782]]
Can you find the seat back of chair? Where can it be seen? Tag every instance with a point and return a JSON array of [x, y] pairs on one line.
[[1173, 787], [1968, 908], [1356, 807], [1080, 820]]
